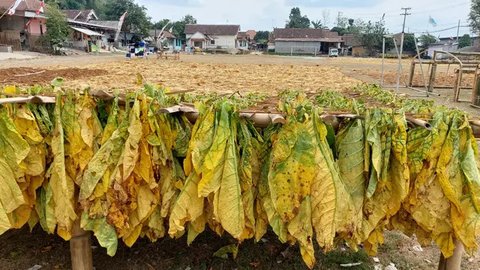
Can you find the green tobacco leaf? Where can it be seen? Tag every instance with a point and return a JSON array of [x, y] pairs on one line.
[[104, 232], [226, 250]]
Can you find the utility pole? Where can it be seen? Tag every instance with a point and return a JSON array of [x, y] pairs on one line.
[[404, 14], [458, 30]]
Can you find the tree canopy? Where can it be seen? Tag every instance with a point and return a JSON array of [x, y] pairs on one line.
[[317, 24], [57, 25], [262, 37], [427, 40], [296, 20], [177, 28], [371, 37], [464, 41], [474, 16], [137, 20], [97, 5]]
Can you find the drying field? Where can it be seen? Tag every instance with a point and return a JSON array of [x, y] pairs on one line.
[[189, 74]]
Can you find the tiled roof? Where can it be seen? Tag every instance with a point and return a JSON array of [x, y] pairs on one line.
[[166, 34], [26, 5], [71, 13], [212, 29], [304, 34]]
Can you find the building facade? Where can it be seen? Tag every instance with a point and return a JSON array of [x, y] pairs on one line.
[[23, 29], [210, 37], [305, 40]]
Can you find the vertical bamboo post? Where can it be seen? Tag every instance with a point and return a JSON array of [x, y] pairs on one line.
[[458, 85], [476, 87], [412, 73], [454, 262], [80, 248], [432, 77]]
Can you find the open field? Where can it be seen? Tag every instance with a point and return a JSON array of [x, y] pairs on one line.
[[225, 74]]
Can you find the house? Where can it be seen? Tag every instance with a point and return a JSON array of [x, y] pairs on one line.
[[243, 41], [164, 38], [22, 29], [444, 44], [246, 40], [305, 40], [212, 36], [88, 28], [353, 46]]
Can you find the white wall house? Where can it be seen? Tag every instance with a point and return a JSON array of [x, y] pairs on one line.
[[206, 37]]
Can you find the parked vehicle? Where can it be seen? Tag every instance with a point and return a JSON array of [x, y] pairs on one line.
[[333, 52]]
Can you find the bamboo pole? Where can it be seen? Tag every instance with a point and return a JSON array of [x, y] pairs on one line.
[[454, 262], [80, 248]]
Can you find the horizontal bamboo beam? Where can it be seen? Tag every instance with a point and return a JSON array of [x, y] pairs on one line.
[[30, 99], [261, 119]]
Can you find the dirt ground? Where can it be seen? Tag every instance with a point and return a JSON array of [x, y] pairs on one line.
[[221, 73]]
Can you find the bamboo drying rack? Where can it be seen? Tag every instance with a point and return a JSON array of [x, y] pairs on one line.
[[80, 243]]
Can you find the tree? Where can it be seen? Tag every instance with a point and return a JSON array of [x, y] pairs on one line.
[[57, 27], [341, 31], [464, 41], [296, 20], [317, 24], [372, 37], [427, 40], [474, 16], [179, 27], [160, 24], [68, 4], [137, 20], [262, 37], [97, 5], [409, 43]]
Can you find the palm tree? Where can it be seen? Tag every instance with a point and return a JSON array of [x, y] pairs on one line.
[[317, 24]]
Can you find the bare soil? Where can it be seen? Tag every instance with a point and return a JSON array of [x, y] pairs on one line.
[[31, 76]]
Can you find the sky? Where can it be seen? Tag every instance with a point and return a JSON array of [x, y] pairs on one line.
[[268, 14]]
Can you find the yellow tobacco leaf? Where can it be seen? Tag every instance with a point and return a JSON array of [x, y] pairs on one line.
[[188, 206], [292, 168], [195, 228], [27, 126], [4, 221], [156, 229], [230, 207], [61, 184], [131, 149], [168, 191], [212, 169], [371, 244], [332, 206], [10, 89], [11, 196], [201, 141], [300, 227]]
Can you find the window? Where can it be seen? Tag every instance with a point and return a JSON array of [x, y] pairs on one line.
[[212, 42]]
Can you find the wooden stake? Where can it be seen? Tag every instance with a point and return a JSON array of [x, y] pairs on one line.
[[80, 248], [454, 262]]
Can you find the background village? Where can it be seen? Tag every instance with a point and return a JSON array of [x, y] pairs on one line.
[[32, 25]]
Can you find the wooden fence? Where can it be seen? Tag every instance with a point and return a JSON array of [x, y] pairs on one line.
[[11, 38]]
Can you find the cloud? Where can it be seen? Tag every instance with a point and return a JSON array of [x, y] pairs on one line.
[[182, 3], [332, 3]]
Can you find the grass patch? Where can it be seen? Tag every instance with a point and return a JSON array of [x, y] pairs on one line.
[[334, 259]]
